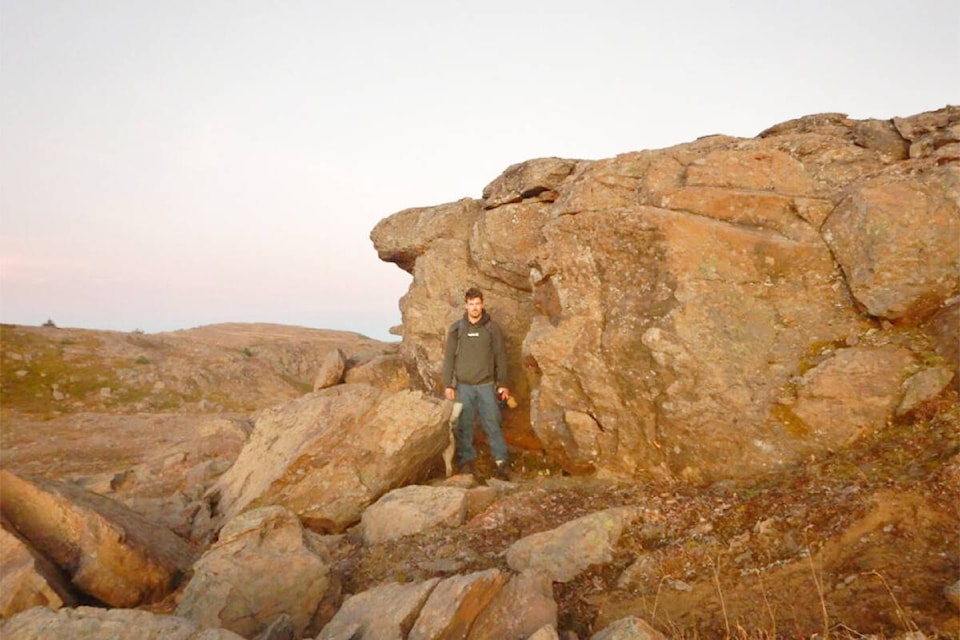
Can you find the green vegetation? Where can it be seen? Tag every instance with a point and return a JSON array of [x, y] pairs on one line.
[[44, 377], [299, 385], [35, 371]]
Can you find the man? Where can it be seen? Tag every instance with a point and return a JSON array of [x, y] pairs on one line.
[[475, 372]]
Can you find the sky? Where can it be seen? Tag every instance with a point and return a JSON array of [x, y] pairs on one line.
[[167, 165]]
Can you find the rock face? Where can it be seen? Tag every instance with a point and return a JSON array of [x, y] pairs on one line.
[[330, 454], [669, 311], [109, 551]]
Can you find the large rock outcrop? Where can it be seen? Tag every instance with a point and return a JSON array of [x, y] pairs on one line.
[[682, 311]]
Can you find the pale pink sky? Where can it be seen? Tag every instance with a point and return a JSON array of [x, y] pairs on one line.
[[166, 165]]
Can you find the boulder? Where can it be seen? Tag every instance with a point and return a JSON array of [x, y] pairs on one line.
[[235, 584], [109, 551], [481, 497], [413, 509], [331, 370], [563, 553], [27, 579], [482, 605], [851, 392], [895, 237], [328, 455], [455, 603], [387, 372], [89, 623], [524, 605], [385, 612], [505, 241]]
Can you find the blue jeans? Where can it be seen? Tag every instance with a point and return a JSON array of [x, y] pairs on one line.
[[482, 399]]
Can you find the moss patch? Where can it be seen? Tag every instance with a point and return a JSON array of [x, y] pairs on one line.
[[38, 375]]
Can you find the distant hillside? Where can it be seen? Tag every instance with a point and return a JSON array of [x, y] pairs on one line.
[[48, 371]]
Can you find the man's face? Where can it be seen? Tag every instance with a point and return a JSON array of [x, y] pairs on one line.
[[474, 307]]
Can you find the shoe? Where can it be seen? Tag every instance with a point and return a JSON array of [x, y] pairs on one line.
[[466, 467], [501, 470]]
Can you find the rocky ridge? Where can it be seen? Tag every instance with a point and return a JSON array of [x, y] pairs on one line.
[[736, 360]]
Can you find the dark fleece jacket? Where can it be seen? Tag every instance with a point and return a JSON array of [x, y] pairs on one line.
[[475, 353]]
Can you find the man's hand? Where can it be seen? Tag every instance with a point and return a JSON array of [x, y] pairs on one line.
[[450, 393], [503, 392]]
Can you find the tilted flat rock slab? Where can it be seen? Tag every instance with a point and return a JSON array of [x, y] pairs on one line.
[[110, 552], [413, 509], [455, 603], [563, 553], [519, 609]]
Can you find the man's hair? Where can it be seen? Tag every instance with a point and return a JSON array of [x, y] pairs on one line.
[[471, 293]]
